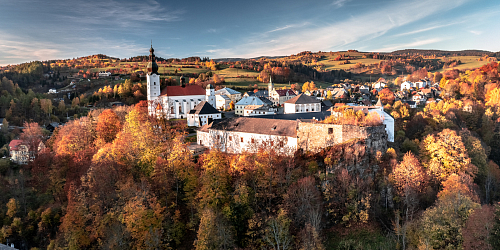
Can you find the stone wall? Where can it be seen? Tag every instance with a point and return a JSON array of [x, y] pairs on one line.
[[316, 136]]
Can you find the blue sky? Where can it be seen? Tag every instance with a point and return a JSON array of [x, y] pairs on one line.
[[59, 29]]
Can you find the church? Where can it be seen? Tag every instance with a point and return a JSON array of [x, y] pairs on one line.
[[174, 102]]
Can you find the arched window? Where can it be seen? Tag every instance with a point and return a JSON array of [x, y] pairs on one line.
[[154, 83]]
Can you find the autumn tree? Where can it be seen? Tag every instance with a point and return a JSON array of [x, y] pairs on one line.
[[442, 224], [477, 229], [386, 96], [32, 136], [446, 154], [108, 125], [214, 232]]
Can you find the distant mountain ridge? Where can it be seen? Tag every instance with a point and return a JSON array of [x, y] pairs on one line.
[[429, 52]]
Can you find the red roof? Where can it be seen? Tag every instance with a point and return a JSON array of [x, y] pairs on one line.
[[282, 92], [182, 91], [14, 144]]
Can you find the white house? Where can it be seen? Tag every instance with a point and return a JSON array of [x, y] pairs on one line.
[[222, 102], [407, 85], [250, 100], [241, 134], [379, 85], [202, 114], [173, 101], [52, 91], [419, 98], [302, 104], [280, 96], [104, 74], [256, 110], [234, 95]]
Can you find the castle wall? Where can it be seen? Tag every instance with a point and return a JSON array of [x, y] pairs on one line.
[[316, 136]]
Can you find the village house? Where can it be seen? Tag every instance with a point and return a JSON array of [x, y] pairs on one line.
[[222, 102], [104, 74], [280, 96], [256, 110], [251, 100], [19, 151], [234, 95], [202, 114], [301, 104]]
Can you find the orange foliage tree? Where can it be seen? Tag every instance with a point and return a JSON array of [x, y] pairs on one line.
[[108, 125], [386, 96]]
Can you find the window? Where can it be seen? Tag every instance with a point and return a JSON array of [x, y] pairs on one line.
[[253, 140], [230, 138], [330, 131], [282, 144], [154, 83], [272, 143], [180, 109], [241, 139], [218, 137], [171, 110]]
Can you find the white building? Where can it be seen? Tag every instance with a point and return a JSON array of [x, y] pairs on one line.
[[174, 101], [407, 85], [250, 100], [234, 95], [241, 134], [52, 91], [256, 110], [104, 74], [302, 104], [222, 102], [202, 114]]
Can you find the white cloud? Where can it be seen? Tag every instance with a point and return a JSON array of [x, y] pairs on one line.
[[339, 3], [340, 34], [117, 13], [427, 29], [476, 32], [18, 49], [411, 45]]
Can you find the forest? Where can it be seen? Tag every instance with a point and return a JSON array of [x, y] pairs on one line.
[[120, 179]]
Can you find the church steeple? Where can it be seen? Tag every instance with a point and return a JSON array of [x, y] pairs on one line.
[[152, 66], [270, 86]]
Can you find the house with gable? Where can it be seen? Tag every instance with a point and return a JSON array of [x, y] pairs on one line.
[[202, 114], [301, 104], [234, 95], [251, 100]]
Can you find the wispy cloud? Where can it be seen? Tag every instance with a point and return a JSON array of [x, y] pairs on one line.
[[19, 49], [339, 35], [212, 31], [117, 13], [476, 32], [411, 45], [297, 25], [339, 3], [427, 29]]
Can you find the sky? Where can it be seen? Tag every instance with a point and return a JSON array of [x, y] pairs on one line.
[[60, 29]]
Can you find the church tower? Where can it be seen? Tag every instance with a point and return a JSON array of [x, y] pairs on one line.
[[270, 86], [210, 95], [153, 77]]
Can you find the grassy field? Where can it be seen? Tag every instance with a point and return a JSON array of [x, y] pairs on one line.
[[468, 62]]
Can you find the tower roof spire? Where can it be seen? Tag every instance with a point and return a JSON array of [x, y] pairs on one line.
[[152, 66]]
